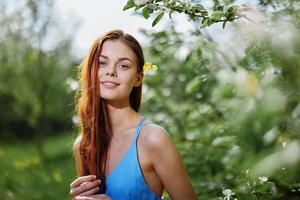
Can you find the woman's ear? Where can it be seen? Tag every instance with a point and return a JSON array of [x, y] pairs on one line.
[[139, 80]]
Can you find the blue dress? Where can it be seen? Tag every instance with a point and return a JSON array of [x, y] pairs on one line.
[[126, 181]]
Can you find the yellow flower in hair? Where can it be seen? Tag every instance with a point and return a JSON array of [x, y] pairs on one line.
[[148, 65], [154, 67]]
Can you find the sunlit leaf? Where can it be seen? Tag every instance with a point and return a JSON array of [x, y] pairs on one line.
[[158, 18]]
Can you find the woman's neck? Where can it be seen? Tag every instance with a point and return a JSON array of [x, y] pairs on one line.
[[121, 117]]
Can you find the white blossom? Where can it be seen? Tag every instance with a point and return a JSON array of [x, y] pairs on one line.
[[263, 179]]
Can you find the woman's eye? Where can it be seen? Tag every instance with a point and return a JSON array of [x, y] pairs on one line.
[[124, 67], [102, 64]]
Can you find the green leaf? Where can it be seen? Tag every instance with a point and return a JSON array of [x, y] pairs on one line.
[[230, 18], [138, 7], [158, 18], [210, 22], [232, 9], [204, 22], [218, 8], [193, 85], [129, 5], [217, 15], [146, 12], [152, 6], [198, 8]]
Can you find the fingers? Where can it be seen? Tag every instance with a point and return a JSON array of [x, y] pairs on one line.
[[94, 197], [85, 188], [83, 198], [90, 192], [101, 196], [81, 180]]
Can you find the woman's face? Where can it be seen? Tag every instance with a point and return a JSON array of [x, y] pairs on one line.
[[117, 71]]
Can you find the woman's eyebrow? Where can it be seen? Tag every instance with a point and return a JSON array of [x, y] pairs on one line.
[[124, 58], [103, 56], [119, 59]]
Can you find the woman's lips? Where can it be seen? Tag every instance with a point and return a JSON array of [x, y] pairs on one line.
[[109, 84]]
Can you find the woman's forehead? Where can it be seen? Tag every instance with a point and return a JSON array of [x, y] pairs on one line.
[[116, 48]]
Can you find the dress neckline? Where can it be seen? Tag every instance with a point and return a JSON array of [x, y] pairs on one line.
[[132, 144]]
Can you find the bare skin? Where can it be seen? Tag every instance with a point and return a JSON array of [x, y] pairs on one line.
[[85, 187], [160, 162]]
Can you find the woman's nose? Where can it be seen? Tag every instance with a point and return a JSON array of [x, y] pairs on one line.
[[111, 71]]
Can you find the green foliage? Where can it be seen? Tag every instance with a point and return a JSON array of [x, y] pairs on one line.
[[237, 127], [194, 11], [33, 88], [236, 123], [158, 18], [25, 176], [35, 101]]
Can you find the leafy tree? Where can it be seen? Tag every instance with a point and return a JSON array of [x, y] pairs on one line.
[[194, 10], [235, 120], [33, 90]]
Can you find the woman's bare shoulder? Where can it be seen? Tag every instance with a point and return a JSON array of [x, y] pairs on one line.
[[154, 136]]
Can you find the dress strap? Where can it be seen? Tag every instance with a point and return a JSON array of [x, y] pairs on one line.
[[139, 127]]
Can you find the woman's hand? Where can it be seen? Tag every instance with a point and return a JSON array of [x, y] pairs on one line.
[[94, 197], [84, 186]]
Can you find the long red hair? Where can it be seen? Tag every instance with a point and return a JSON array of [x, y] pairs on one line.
[[95, 125]]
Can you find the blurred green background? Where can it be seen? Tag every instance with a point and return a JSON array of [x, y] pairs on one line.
[[232, 108]]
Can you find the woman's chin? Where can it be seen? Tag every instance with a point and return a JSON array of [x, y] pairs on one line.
[[112, 98], [109, 98]]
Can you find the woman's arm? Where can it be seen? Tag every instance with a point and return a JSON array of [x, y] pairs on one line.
[[168, 164]]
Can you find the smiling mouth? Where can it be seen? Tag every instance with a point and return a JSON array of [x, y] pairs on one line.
[[109, 84]]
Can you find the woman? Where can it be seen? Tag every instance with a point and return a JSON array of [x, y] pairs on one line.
[[120, 154]]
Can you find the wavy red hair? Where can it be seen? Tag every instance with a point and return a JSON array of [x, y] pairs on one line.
[[95, 125]]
